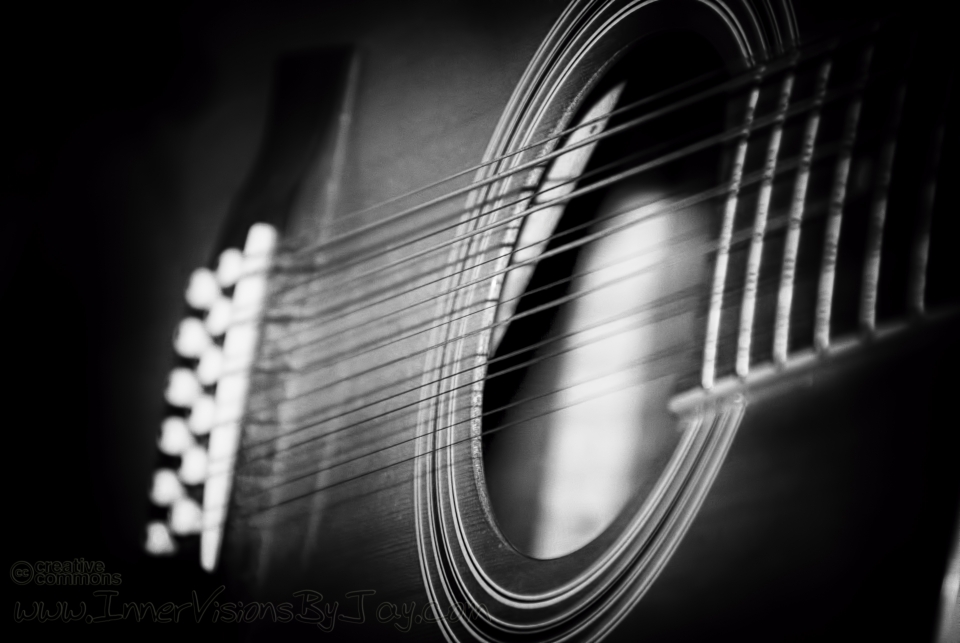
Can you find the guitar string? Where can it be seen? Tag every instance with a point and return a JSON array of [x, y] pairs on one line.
[[706, 248], [526, 349], [814, 46], [784, 166], [526, 197], [393, 338], [251, 514], [242, 475], [699, 249], [386, 447], [775, 224], [582, 241], [367, 302], [420, 303], [730, 134], [748, 77], [394, 294], [246, 479], [261, 490], [352, 329], [339, 464], [249, 447], [557, 302], [809, 50], [502, 358], [737, 81], [592, 187], [530, 146], [253, 411], [376, 252], [391, 464], [486, 431], [526, 313], [649, 313]]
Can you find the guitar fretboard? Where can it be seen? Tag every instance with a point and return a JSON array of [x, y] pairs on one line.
[[825, 233]]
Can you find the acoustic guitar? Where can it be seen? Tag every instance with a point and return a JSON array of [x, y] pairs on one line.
[[667, 354]]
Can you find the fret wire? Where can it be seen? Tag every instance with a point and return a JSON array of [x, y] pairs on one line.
[[878, 214], [792, 242], [831, 242], [711, 342], [749, 301], [921, 247]]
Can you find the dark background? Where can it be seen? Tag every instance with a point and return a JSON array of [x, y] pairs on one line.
[[108, 112], [92, 98]]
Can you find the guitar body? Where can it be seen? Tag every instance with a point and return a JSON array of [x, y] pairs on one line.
[[813, 498]]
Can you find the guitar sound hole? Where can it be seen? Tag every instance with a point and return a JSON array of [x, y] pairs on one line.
[[575, 402]]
